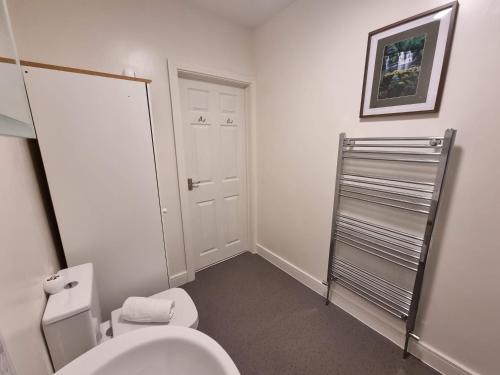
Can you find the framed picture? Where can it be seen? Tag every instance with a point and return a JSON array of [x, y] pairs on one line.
[[406, 64]]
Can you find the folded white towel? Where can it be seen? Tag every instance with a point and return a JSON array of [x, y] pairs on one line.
[[147, 310]]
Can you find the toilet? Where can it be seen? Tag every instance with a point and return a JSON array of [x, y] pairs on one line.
[[72, 321]]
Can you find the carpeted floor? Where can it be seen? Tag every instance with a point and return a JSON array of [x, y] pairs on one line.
[[269, 323]]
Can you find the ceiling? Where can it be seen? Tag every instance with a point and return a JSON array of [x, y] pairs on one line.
[[248, 13]]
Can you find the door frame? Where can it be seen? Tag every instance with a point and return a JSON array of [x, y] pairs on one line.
[[179, 70]]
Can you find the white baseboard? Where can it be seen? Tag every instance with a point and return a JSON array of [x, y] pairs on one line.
[[178, 279], [294, 271], [181, 278], [438, 360], [387, 326]]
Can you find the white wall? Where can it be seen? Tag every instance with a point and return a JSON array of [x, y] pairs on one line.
[[27, 254], [309, 67], [111, 35]]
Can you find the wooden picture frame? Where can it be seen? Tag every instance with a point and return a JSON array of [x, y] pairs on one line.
[[406, 64]]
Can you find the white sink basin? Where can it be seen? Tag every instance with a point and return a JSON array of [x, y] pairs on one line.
[[155, 351]]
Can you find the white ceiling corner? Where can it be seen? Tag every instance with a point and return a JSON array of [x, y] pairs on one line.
[[248, 13]]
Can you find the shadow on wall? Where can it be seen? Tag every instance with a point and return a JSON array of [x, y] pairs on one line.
[[36, 159], [400, 117], [440, 229]]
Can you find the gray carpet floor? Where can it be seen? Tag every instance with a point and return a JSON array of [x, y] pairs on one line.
[[269, 323]]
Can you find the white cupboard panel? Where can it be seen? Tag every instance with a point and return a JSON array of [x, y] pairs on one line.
[[95, 139]]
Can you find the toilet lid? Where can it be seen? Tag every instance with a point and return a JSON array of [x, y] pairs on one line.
[[185, 313]]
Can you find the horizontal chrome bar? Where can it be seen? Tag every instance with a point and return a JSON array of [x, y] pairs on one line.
[[389, 297], [342, 222], [404, 234], [390, 145], [375, 248], [359, 279], [409, 195], [394, 139], [406, 299], [367, 297], [384, 197], [378, 183], [347, 264], [390, 152], [386, 178], [384, 204], [430, 161], [343, 226], [375, 254], [376, 301]]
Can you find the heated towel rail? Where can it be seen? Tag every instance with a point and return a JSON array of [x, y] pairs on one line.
[[381, 260]]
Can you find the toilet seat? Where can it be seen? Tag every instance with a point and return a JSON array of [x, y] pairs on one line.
[[185, 313]]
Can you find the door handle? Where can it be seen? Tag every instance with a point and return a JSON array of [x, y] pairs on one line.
[[192, 184]]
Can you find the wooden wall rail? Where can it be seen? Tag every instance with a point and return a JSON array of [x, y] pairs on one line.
[[73, 70]]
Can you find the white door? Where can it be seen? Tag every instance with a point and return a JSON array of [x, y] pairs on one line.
[[214, 146]]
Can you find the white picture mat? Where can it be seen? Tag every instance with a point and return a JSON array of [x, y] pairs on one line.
[[445, 16]]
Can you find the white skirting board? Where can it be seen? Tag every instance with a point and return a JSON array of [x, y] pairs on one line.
[[178, 279], [388, 327], [181, 278]]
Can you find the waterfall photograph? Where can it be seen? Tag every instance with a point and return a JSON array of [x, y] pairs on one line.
[[405, 66], [400, 69]]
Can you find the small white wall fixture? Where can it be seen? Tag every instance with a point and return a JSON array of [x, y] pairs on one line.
[[176, 71]]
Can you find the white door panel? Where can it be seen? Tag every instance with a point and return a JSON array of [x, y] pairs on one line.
[[214, 137], [229, 151], [203, 165], [205, 219]]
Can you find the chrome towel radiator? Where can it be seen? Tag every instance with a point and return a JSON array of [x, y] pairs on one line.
[[387, 192]]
